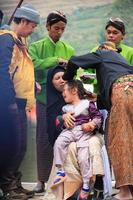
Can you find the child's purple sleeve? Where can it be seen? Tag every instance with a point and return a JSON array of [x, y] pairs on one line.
[[95, 114]]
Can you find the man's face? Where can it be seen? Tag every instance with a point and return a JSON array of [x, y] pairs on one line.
[[56, 30], [114, 35], [26, 28]]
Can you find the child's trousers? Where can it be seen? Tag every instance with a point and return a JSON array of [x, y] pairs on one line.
[[61, 147]]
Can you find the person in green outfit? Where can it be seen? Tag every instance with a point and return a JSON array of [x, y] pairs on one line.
[[115, 32], [47, 52]]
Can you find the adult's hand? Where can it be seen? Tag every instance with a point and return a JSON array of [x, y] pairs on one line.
[[62, 62], [71, 71], [69, 120]]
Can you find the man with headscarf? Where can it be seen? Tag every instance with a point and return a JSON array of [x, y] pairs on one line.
[[16, 96], [115, 81], [47, 53], [115, 32]]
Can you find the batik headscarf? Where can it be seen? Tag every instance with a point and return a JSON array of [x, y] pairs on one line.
[[55, 17], [116, 23]]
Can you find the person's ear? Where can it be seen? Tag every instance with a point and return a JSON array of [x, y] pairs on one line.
[[74, 91], [47, 27], [123, 37]]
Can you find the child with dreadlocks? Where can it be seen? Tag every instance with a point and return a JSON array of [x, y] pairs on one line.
[[87, 120]]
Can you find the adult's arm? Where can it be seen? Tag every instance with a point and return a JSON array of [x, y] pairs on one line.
[[90, 60], [69, 120], [66, 120], [7, 92], [44, 63]]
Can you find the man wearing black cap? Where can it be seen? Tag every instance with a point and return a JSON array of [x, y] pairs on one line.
[[115, 32], [47, 53], [115, 81], [16, 96]]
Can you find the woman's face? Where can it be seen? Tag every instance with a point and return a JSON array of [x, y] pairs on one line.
[[58, 82], [114, 35]]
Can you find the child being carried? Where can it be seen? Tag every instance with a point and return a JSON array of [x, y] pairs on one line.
[[87, 120]]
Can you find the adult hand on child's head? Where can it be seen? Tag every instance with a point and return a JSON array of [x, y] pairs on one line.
[[71, 71], [69, 120], [62, 62], [88, 127]]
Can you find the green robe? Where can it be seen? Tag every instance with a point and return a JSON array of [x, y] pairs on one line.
[[45, 54], [127, 53]]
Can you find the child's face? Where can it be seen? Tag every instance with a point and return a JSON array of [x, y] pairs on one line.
[[68, 94]]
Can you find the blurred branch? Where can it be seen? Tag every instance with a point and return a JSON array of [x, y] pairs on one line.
[[11, 18]]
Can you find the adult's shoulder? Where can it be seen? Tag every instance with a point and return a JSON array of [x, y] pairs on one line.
[[6, 39], [94, 49], [39, 42], [127, 53], [107, 55], [126, 47], [66, 44]]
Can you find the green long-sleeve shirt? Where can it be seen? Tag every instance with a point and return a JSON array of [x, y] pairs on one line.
[[45, 54], [127, 53]]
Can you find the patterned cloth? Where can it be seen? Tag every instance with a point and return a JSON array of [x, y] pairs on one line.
[[120, 133]]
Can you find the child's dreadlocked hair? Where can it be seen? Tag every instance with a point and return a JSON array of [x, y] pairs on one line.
[[82, 93]]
